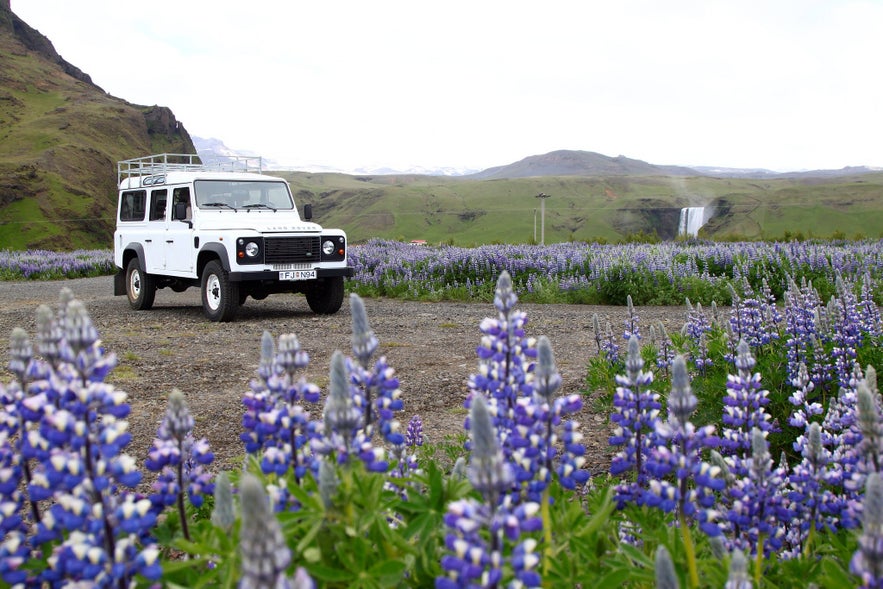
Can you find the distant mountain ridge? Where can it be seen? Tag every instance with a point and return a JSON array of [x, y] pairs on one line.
[[561, 162], [579, 163]]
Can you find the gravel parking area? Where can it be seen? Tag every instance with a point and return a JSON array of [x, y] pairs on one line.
[[430, 345]]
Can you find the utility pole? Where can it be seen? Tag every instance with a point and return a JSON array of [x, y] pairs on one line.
[[542, 196], [534, 225]]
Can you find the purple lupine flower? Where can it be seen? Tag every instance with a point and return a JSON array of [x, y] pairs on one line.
[[801, 307], [546, 379], [407, 461], [636, 413], [414, 433], [697, 328], [341, 434], [866, 456], [540, 426], [49, 336], [596, 329], [755, 505], [265, 554], [869, 314], [21, 354], [607, 346], [504, 354], [489, 472], [744, 409], [770, 311], [841, 435], [71, 434], [665, 351], [738, 577], [378, 397], [180, 460], [666, 578], [364, 341], [747, 321], [277, 416], [480, 530], [631, 321], [867, 562], [340, 416], [815, 505], [518, 379], [223, 511], [376, 389], [682, 481], [800, 398]]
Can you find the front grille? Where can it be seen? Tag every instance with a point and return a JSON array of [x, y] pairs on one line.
[[286, 250]]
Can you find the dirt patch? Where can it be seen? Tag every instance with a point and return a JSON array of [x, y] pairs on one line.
[[431, 346]]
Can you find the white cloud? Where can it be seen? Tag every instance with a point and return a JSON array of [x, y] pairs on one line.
[[790, 84]]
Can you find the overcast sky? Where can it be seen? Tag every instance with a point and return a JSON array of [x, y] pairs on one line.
[[776, 84]]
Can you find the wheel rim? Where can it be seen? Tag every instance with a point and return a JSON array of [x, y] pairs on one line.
[[213, 292], [135, 284]]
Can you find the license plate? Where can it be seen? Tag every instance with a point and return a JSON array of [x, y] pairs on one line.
[[297, 275]]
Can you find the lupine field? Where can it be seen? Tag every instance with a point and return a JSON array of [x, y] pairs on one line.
[[747, 447]]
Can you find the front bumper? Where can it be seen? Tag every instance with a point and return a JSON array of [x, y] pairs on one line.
[[273, 275]]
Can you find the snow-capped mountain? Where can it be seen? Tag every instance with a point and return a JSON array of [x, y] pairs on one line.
[[212, 150]]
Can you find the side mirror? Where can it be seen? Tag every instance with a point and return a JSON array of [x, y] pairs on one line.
[[179, 213], [308, 212]]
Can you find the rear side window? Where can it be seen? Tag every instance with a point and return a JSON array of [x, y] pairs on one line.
[[133, 205], [158, 200]]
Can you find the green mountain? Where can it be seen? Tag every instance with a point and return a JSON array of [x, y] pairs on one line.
[[61, 136], [579, 163], [60, 139]]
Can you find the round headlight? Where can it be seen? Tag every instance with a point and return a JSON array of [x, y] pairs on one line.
[[252, 249], [328, 247]]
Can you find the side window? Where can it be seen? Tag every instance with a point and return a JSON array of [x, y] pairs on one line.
[[158, 200], [133, 205], [182, 195]]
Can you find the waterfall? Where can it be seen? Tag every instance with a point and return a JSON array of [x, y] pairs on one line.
[[692, 218]]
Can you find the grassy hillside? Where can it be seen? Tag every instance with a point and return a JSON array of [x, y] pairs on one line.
[[469, 212], [60, 138]]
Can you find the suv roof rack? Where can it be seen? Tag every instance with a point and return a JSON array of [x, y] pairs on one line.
[[162, 163]]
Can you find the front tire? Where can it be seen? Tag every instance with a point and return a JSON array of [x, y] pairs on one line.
[[220, 296], [325, 297], [140, 286]]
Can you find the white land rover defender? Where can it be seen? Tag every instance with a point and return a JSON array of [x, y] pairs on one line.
[[234, 232]]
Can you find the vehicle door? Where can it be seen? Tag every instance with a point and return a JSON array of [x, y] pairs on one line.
[[154, 253], [132, 224], [179, 249]]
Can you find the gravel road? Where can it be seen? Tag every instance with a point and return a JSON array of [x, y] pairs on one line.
[[430, 345]]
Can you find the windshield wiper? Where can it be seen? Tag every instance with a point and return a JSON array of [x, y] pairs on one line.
[[218, 205], [259, 205]]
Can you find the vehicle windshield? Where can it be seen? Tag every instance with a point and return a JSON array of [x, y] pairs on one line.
[[248, 195]]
